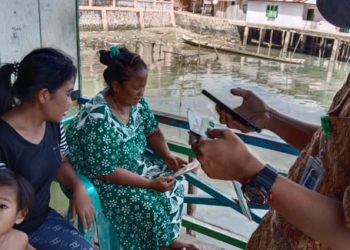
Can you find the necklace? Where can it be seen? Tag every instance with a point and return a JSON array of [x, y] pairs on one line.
[[116, 109]]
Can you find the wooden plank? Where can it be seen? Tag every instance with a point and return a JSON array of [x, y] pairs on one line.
[[215, 232], [20, 29]]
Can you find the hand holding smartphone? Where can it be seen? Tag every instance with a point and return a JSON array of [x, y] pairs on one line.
[[231, 112]]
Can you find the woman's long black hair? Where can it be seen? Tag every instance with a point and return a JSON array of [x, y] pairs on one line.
[[42, 68]]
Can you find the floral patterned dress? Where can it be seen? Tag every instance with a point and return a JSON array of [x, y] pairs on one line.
[[99, 142]]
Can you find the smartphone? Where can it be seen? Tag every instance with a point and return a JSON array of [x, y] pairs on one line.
[[230, 111]]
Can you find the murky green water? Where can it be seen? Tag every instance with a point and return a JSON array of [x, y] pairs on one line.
[[302, 91]]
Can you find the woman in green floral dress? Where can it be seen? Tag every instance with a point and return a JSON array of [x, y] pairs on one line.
[[108, 141]]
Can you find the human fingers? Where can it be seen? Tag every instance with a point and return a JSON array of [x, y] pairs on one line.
[[241, 92], [198, 146], [166, 179], [223, 115], [181, 161], [218, 133], [232, 123], [83, 221], [169, 185], [74, 213], [90, 217]]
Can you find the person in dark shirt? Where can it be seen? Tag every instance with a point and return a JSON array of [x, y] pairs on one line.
[[33, 143]]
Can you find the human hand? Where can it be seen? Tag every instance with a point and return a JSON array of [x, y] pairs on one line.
[[81, 204], [253, 109], [162, 184], [174, 162], [226, 157]]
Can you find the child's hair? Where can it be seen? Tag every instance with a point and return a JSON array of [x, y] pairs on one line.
[[24, 190], [121, 66]]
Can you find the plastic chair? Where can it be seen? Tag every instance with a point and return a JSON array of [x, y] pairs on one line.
[[107, 236]]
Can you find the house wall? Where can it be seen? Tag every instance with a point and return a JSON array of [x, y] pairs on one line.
[[289, 14], [226, 10]]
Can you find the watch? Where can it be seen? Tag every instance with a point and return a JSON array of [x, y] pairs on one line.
[[257, 190]]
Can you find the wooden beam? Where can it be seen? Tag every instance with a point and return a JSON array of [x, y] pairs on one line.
[[334, 50], [270, 44]]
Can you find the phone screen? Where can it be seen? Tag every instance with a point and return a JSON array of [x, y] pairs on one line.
[[230, 111]]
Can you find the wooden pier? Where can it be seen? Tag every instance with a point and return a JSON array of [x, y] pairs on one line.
[[333, 45], [205, 44]]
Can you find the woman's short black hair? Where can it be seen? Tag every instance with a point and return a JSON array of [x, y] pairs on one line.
[[23, 188]]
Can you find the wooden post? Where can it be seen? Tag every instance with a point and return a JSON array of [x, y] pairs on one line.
[[286, 44], [324, 47], [104, 20], [344, 49], [245, 36], [142, 23], [260, 34], [216, 52], [291, 44], [153, 44], [282, 42], [320, 48], [302, 42], [270, 44], [90, 3], [334, 50], [113, 4], [191, 208]]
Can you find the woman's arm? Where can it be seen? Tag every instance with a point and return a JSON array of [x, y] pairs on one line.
[[124, 177], [81, 203], [157, 141]]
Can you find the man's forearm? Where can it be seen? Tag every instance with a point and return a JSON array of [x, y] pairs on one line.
[[296, 133], [318, 216]]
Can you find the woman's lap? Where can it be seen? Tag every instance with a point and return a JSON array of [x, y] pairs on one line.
[[57, 233]]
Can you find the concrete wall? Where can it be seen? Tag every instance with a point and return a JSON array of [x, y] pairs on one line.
[[32, 24], [97, 15], [210, 25]]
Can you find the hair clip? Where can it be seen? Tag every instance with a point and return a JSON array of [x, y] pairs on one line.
[[114, 51], [134, 58], [16, 68]]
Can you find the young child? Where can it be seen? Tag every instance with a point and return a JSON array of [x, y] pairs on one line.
[[16, 197]]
